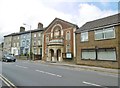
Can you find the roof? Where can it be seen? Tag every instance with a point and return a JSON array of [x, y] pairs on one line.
[[106, 21], [25, 32], [63, 21]]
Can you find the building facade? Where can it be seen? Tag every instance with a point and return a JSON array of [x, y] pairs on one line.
[[37, 42], [15, 48], [7, 43], [25, 39], [59, 41], [98, 42]]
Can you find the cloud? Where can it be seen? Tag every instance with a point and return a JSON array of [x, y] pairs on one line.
[[13, 13], [89, 12]]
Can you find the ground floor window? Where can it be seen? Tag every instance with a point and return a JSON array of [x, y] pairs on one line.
[[88, 54], [106, 54], [99, 54]]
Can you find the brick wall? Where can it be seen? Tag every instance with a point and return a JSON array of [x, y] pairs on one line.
[[108, 43]]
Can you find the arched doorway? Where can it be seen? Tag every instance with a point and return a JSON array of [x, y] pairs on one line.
[[58, 54], [51, 53]]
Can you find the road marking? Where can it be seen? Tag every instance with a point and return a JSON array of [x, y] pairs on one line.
[[21, 66], [49, 73], [93, 84], [7, 82], [8, 63]]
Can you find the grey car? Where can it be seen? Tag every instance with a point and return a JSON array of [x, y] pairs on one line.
[[8, 58]]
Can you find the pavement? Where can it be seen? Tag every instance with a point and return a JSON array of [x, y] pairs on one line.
[[100, 69]]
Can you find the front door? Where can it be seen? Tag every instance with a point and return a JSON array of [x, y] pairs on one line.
[[58, 55]]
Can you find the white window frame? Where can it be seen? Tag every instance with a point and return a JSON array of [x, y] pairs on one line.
[[103, 31], [68, 35], [34, 35], [85, 35], [88, 51]]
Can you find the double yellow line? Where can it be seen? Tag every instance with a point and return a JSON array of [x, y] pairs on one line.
[[7, 82]]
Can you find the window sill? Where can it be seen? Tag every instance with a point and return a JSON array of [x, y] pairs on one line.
[[104, 39]]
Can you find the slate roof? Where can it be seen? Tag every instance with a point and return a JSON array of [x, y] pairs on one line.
[[110, 20], [19, 33]]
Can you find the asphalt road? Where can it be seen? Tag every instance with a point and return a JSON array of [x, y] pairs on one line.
[[27, 73]]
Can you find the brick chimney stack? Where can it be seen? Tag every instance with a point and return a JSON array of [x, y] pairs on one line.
[[40, 26], [22, 29]]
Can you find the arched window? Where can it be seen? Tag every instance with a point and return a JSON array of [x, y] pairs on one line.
[[68, 36], [57, 32], [47, 39]]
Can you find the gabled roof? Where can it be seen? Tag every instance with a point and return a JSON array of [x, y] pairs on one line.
[[106, 21], [61, 20]]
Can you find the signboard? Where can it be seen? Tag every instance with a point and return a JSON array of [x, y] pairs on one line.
[[68, 55]]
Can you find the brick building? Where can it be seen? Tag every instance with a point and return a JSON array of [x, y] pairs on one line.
[[98, 42], [37, 42], [59, 41]]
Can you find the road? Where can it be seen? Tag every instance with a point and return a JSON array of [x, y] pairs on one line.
[[28, 73]]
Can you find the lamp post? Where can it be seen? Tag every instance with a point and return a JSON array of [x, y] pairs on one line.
[[30, 41]]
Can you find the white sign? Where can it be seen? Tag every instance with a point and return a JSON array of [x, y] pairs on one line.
[[68, 55]]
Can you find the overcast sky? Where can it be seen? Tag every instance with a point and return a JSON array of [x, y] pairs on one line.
[[13, 13]]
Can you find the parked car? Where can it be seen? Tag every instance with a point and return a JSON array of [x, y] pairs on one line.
[[8, 58]]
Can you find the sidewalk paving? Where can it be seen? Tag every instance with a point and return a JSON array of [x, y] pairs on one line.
[[100, 69]]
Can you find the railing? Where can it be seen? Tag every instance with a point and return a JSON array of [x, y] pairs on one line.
[[56, 41]]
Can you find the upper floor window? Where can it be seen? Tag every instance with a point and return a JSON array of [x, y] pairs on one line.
[[67, 48], [39, 34], [27, 42], [105, 33], [57, 32], [68, 36], [84, 36], [34, 35], [34, 42], [17, 44], [14, 44], [39, 42], [47, 39]]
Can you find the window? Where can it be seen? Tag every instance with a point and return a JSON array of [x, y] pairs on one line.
[[14, 44], [39, 34], [57, 32], [106, 54], [17, 44], [34, 35], [23, 43], [67, 48], [35, 51], [39, 42], [84, 36], [68, 36], [88, 54], [34, 42], [109, 33], [105, 33], [47, 39], [40, 51], [27, 42]]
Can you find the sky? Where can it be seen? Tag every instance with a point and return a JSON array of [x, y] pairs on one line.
[[15, 13]]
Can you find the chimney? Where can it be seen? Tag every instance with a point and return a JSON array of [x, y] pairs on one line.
[[40, 26], [22, 29]]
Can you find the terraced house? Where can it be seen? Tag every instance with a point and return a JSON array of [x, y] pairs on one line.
[[37, 42], [98, 42], [7, 43], [59, 41]]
